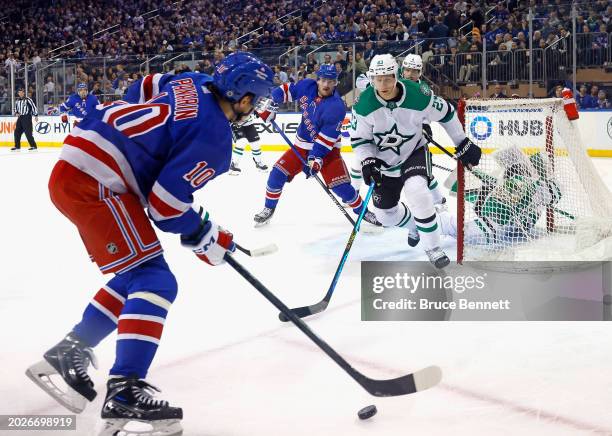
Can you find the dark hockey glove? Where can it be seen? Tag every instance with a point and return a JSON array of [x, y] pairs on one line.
[[468, 153], [427, 131], [370, 168]]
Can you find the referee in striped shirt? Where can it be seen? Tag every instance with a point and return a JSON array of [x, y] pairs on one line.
[[24, 109]]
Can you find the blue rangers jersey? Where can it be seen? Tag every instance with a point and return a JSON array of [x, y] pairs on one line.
[[322, 118], [78, 106], [161, 149]]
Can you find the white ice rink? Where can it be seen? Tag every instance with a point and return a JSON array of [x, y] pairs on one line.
[[236, 370]]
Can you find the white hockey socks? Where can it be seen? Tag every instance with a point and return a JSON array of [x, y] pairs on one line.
[[436, 193], [238, 151], [256, 151], [420, 201], [397, 216]]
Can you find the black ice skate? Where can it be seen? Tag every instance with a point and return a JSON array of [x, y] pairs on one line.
[[437, 257], [413, 237], [131, 399], [234, 170], [369, 217], [70, 360], [263, 217], [261, 166]]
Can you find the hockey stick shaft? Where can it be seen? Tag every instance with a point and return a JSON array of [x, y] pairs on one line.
[[304, 311], [316, 176], [442, 167], [408, 384]]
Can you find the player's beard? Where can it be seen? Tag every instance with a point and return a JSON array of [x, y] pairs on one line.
[[241, 117], [329, 91]]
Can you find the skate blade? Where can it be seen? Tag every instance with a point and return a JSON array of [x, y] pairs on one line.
[[257, 225], [40, 374], [129, 427]]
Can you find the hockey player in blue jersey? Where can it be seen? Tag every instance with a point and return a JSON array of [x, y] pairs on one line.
[[317, 141], [80, 104], [121, 159]]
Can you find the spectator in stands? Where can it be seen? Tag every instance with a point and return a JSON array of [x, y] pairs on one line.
[[500, 12], [464, 44], [49, 90], [498, 92], [594, 95], [414, 26], [4, 101], [96, 90], [468, 64], [368, 53], [360, 65], [439, 32], [280, 75], [581, 96], [602, 100]]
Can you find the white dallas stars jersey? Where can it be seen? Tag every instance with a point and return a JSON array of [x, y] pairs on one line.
[[391, 131]]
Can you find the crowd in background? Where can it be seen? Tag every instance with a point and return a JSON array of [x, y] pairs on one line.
[[449, 34]]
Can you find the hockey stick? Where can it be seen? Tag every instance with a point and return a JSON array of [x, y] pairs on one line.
[[441, 167], [301, 312], [408, 384], [261, 251], [316, 176], [485, 178]]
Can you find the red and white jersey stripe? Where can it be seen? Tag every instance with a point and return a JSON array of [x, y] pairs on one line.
[[93, 154], [163, 205], [327, 141], [149, 87], [287, 97]]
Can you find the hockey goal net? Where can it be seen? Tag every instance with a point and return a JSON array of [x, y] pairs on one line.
[[536, 194]]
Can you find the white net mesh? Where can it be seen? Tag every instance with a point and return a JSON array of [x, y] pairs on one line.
[[536, 194]]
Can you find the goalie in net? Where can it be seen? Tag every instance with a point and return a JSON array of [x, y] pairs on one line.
[[536, 194]]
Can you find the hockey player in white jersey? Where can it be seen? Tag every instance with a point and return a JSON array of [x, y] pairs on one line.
[[412, 69], [246, 134], [386, 135]]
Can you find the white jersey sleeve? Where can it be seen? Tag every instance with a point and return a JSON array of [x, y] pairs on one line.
[[444, 113], [362, 137]]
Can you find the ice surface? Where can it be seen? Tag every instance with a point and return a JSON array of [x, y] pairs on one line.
[[236, 370]]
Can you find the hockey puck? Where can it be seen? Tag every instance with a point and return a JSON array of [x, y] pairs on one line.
[[367, 412]]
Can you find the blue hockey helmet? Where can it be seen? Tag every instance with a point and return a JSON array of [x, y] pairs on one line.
[[328, 72], [241, 73], [81, 86]]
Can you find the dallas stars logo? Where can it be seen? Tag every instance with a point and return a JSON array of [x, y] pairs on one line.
[[392, 140]]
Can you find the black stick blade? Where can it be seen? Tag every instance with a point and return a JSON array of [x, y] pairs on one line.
[[409, 384], [304, 311]]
